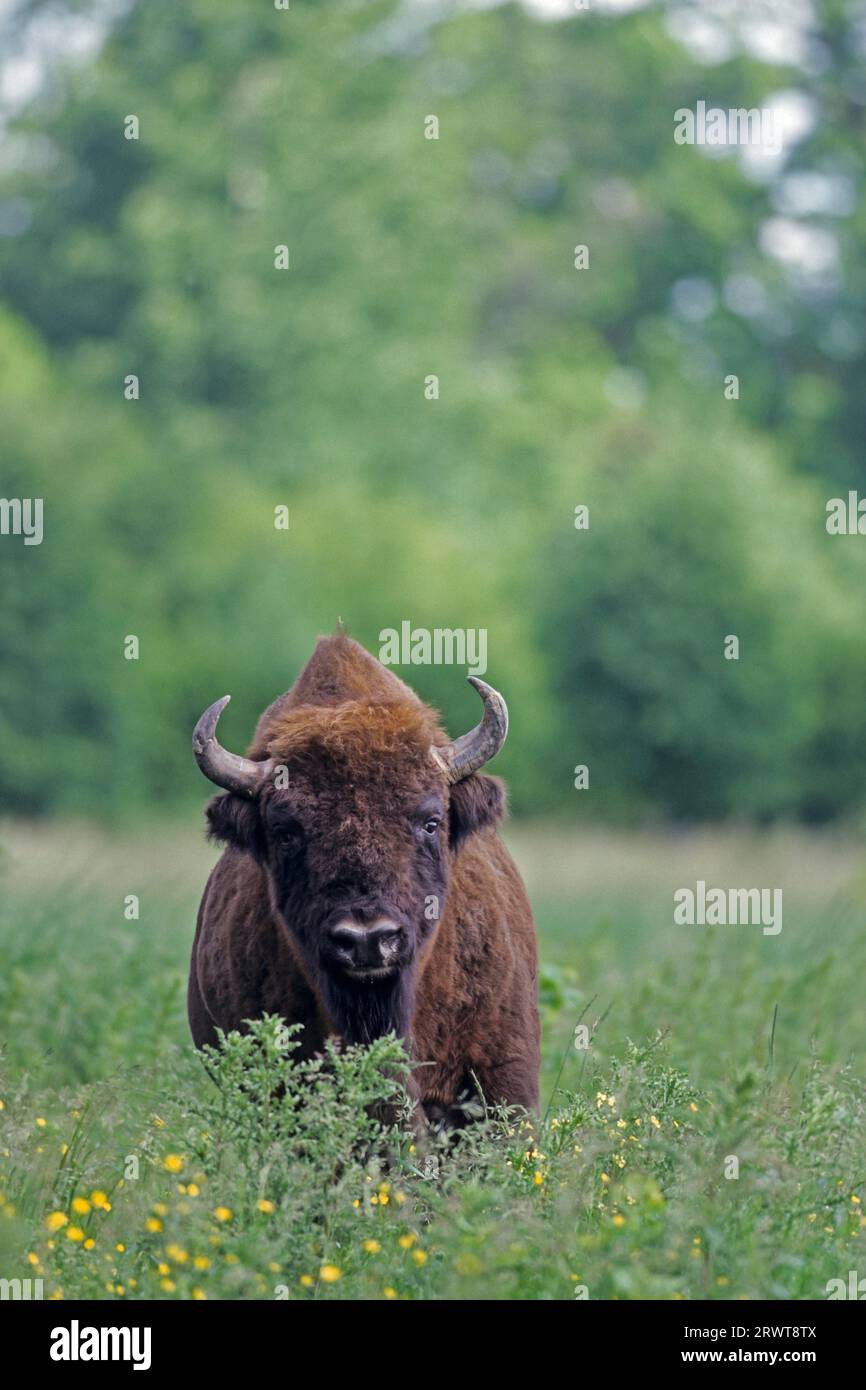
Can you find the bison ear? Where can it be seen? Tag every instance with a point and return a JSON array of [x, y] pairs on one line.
[[477, 801], [235, 821]]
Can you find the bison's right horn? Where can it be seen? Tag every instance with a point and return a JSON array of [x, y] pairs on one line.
[[226, 769], [471, 751]]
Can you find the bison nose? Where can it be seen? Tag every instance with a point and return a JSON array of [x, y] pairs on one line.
[[371, 948]]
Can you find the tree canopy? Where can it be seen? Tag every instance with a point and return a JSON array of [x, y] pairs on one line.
[[411, 258]]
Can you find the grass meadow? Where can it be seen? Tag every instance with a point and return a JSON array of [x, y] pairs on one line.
[[708, 1143]]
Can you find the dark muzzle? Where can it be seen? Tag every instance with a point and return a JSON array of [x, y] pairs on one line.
[[372, 951]]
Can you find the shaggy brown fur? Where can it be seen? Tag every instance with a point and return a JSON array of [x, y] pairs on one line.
[[350, 840]]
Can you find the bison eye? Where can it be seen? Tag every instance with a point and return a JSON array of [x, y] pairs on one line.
[[432, 825]]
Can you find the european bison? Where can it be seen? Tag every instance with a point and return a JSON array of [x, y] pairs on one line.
[[364, 888]]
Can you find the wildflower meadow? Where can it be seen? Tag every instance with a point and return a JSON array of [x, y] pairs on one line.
[[701, 1133]]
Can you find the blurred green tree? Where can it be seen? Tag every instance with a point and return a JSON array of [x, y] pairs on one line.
[[412, 258]]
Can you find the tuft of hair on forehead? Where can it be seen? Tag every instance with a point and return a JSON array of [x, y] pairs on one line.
[[356, 736], [347, 711], [341, 669], [339, 672]]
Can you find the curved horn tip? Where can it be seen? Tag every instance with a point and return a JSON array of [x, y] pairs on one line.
[[224, 769], [487, 692], [471, 751], [215, 710], [206, 724]]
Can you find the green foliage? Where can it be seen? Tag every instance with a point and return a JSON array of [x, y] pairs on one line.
[[635, 626], [248, 1173], [297, 1119], [291, 1191], [411, 257]]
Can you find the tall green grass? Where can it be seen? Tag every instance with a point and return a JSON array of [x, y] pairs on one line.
[[710, 1049]]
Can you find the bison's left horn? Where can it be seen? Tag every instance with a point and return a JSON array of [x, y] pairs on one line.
[[226, 769], [471, 751]]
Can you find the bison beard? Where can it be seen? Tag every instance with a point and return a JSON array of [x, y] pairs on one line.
[[329, 873], [365, 1011]]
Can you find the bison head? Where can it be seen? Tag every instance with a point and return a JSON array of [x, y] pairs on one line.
[[356, 811]]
